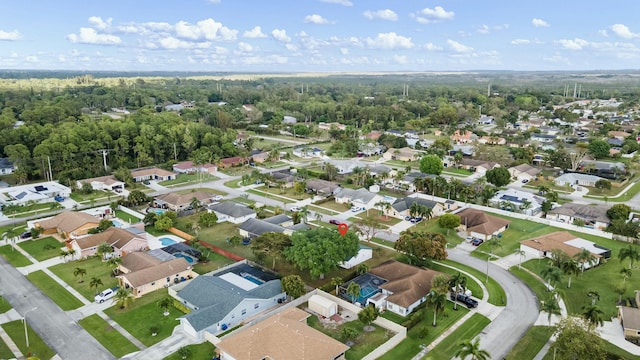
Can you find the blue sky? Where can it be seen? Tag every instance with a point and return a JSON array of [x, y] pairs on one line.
[[320, 35]]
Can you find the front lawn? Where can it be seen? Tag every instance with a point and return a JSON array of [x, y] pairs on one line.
[[58, 294], [431, 225], [271, 196], [374, 214], [94, 267], [109, 337], [37, 347], [472, 285], [206, 350], [14, 257], [207, 190], [497, 295], [184, 179], [42, 249], [537, 286], [467, 331], [5, 352], [27, 210], [142, 314], [95, 195], [4, 305], [518, 230], [456, 171], [531, 343]]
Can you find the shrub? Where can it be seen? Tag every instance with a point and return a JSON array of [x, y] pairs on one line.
[[180, 306]]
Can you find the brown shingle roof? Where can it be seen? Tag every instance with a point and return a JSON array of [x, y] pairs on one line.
[[113, 236], [107, 180], [68, 221], [138, 260], [284, 336], [154, 273], [183, 199], [407, 283], [630, 317], [481, 222], [554, 240], [151, 171]]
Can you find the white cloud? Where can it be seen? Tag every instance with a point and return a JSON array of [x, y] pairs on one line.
[[623, 31], [340, 2], [174, 43], [280, 35], [401, 59], [100, 24], [483, 29], [344, 51], [458, 47], [244, 47], [10, 35], [31, 59], [431, 47], [520, 41], [575, 44], [91, 36], [385, 14], [291, 47], [315, 19], [389, 41], [539, 23], [205, 29], [215, 1], [437, 14], [254, 33], [557, 59]]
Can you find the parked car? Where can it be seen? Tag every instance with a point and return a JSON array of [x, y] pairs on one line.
[[217, 197], [416, 220], [25, 235], [356, 208], [476, 242], [408, 218], [59, 198], [334, 222], [524, 181], [106, 294], [466, 299], [295, 209]]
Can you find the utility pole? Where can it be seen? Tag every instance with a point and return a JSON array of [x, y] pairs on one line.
[[104, 158], [175, 152], [50, 173]]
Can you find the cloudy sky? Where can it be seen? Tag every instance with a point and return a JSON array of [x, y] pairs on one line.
[[320, 35]]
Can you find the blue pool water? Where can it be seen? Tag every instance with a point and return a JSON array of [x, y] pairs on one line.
[[117, 223], [166, 241], [253, 280], [186, 257], [158, 211]]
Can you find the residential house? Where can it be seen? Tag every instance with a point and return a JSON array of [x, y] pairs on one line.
[[283, 336], [153, 173], [465, 150], [188, 167], [543, 138], [411, 134], [403, 288], [289, 120], [402, 207], [6, 166], [368, 149], [403, 154], [542, 246], [603, 168], [518, 201], [144, 273], [620, 135], [492, 140], [227, 298], [629, 318], [593, 216], [344, 167], [328, 126], [485, 120], [232, 161], [108, 183], [179, 202], [68, 224], [322, 187], [364, 253], [393, 132], [478, 166], [37, 193], [463, 137], [122, 242], [307, 152], [282, 178], [480, 225], [524, 172], [256, 227], [577, 179], [259, 156], [232, 212], [358, 197]]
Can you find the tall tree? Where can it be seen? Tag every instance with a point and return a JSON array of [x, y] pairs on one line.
[[570, 268], [630, 252], [471, 348], [353, 290], [585, 257], [551, 307], [293, 285], [498, 176], [95, 283], [593, 315], [421, 246], [123, 298], [78, 271], [457, 282], [449, 222], [271, 244], [431, 164], [552, 274], [575, 340], [436, 300]]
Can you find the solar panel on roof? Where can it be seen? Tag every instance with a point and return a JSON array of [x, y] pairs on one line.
[[41, 188]]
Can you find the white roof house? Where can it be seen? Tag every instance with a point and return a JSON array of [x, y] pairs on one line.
[[39, 193], [577, 179], [520, 201]]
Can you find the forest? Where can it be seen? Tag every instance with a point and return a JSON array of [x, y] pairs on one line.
[[68, 120]]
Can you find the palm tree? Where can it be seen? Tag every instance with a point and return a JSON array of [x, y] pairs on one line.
[[436, 300], [522, 254], [552, 274], [104, 249], [551, 307], [593, 315], [440, 283], [594, 295], [456, 282], [113, 264], [584, 257], [164, 304], [195, 203], [123, 298], [472, 348], [570, 267], [336, 281], [304, 213], [354, 291], [79, 272], [630, 252], [626, 274], [318, 216], [95, 283]]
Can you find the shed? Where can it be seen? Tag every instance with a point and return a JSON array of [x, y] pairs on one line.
[[323, 306]]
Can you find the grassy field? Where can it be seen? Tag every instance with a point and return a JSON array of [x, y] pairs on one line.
[[271, 196], [467, 331], [27, 210], [42, 249], [94, 267], [207, 190], [321, 209], [364, 343], [144, 313], [518, 230], [4, 305], [626, 196], [531, 343], [374, 214], [206, 350], [609, 348], [58, 294], [288, 192], [215, 262], [332, 205], [411, 345], [94, 196], [184, 179], [110, 338], [37, 347], [127, 217], [5, 352], [497, 295], [234, 184], [458, 172], [14, 257]]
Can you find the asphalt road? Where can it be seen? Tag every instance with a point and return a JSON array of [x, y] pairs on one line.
[[68, 339]]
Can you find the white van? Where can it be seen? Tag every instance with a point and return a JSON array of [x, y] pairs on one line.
[[106, 294]]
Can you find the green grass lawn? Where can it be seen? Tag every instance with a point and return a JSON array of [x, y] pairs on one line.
[[288, 192], [531, 343], [109, 337], [144, 313], [14, 257], [27, 210], [410, 346], [4, 305], [374, 214], [94, 267], [95, 195], [364, 343], [207, 190], [42, 249], [5, 352], [215, 262], [127, 217], [206, 350], [58, 294], [497, 295], [321, 209], [472, 285], [432, 226], [184, 179], [610, 349], [455, 171], [37, 347], [626, 196], [518, 230], [271, 196], [234, 184], [332, 205], [467, 331], [532, 282]]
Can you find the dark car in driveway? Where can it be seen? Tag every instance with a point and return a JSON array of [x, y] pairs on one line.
[[467, 300], [334, 222], [476, 242]]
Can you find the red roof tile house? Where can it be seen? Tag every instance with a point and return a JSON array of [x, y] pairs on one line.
[[232, 161], [188, 167], [463, 137]]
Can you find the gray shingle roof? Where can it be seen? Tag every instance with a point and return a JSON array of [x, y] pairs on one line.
[[258, 227], [405, 203], [277, 219], [361, 194], [232, 209]]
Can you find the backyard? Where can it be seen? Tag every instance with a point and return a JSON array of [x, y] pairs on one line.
[[127, 217], [94, 196], [42, 249], [109, 337], [95, 269], [58, 294]]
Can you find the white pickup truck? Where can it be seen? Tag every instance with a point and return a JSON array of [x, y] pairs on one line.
[[106, 294]]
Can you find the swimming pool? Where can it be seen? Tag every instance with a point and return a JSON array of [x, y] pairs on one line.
[[253, 279], [165, 241], [117, 223], [186, 257], [159, 211]]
